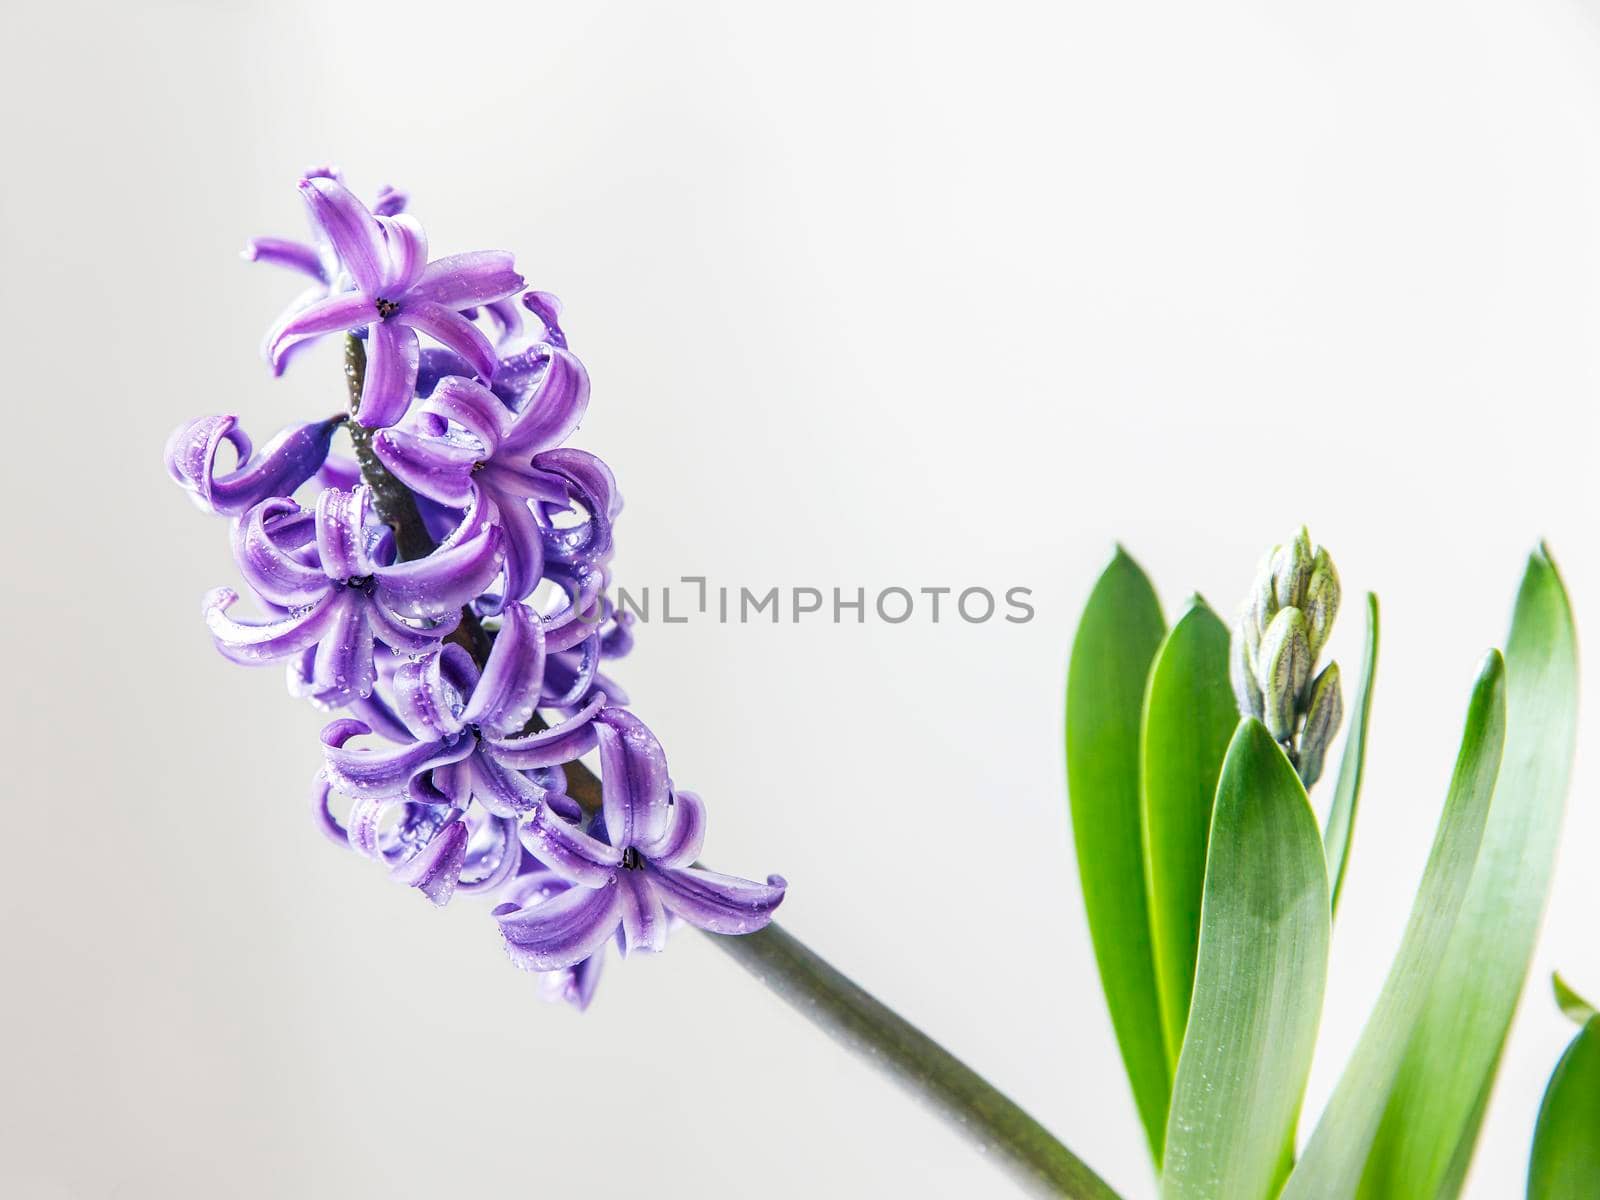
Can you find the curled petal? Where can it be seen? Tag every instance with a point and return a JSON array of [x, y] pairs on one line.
[[284, 463], [555, 408], [567, 850], [493, 856], [473, 407], [351, 229], [453, 331], [410, 639], [280, 252], [501, 790], [383, 773], [437, 364], [342, 668], [644, 918], [391, 202], [508, 692], [462, 280], [254, 644], [321, 793], [523, 544], [405, 253], [562, 930], [633, 777], [342, 539], [684, 836], [435, 869], [547, 308], [718, 903], [592, 486], [379, 717], [438, 469], [562, 743], [463, 565], [576, 984], [571, 674], [391, 377], [269, 546], [348, 310], [424, 702]]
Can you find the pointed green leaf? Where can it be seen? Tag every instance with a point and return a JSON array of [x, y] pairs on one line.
[[1565, 1162], [1264, 929], [1111, 656], [1424, 1142], [1333, 1159], [1568, 1001], [1189, 718], [1347, 791]]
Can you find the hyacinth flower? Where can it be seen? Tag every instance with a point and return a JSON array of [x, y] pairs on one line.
[[332, 571], [397, 294], [630, 879], [402, 591], [463, 442]]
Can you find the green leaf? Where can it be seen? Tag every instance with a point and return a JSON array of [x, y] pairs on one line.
[[1189, 718], [1116, 641], [1565, 1162], [1333, 1159], [1342, 812], [1425, 1140], [1264, 929], [1569, 1002]]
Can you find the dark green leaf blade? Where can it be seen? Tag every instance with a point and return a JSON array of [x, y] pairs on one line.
[[1424, 1142], [1565, 1162], [1333, 1159], [1341, 822], [1189, 717], [1264, 929], [1116, 642]]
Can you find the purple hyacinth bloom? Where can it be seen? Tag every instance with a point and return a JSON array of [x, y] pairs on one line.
[[397, 295], [332, 572], [466, 741], [295, 455], [576, 984], [634, 876], [463, 440]]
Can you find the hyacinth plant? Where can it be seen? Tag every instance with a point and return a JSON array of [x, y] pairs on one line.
[[1211, 888], [443, 593]]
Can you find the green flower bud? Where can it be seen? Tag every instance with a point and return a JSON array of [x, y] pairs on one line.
[[1321, 600], [1324, 715], [1242, 665], [1283, 670], [1291, 571]]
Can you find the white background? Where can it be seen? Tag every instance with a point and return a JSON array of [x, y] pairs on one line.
[[871, 295]]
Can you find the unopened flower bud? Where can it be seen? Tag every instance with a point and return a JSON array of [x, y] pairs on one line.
[[1283, 670], [1323, 717], [1242, 664], [1291, 571], [1321, 600]]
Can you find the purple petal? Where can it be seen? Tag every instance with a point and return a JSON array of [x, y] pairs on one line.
[[435, 869], [633, 777], [452, 330], [718, 903], [284, 463], [562, 930], [501, 790], [424, 702], [567, 850], [576, 984], [351, 229], [568, 682], [342, 533], [562, 743], [493, 856], [391, 376], [409, 639], [343, 668], [644, 918], [592, 486], [548, 309], [348, 310], [554, 409], [321, 792], [384, 772], [462, 280], [507, 694], [252, 645], [435, 468], [473, 407], [391, 202], [462, 566], [405, 254], [522, 543], [280, 252], [685, 834], [269, 549]]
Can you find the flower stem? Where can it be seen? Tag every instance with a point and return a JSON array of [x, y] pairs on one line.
[[861, 1023], [830, 1000]]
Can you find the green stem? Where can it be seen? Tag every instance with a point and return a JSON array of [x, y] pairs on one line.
[[831, 1001], [858, 1021]]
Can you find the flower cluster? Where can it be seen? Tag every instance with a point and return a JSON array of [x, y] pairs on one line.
[[447, 589]]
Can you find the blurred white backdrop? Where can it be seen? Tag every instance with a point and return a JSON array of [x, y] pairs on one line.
[[871, 295]]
